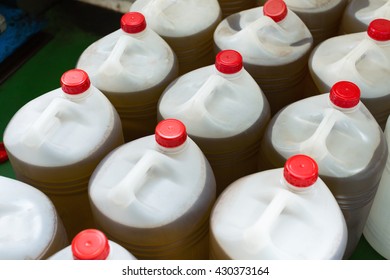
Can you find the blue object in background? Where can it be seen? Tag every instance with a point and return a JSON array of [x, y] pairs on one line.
[[19, 28]]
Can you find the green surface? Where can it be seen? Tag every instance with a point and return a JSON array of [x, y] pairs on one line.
[[42, 73]]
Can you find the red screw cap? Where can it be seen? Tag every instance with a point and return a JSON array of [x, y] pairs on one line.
[[170, 133], [75, 81], [379, 29], [345, 94], [228, 61], [275, 9], [90, 244], [3, 153], [133, 22], [301, 171]]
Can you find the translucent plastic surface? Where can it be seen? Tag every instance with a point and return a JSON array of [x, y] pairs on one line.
[[260, 217], [377, 229], [30, 227], [155, 201]]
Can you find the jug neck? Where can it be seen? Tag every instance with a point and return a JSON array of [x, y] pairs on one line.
[[233, 76], [174, 150]]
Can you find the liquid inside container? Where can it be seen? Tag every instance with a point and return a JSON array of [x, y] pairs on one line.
[[30, 226], [153, 195], [225, 113], [322, 17], [92, 244], [55, 141], [338, 131], [279, 214], [186, 25], [358, 14], [131, 66], [229, 7], [377, 228], [275, 45], [362, 58]]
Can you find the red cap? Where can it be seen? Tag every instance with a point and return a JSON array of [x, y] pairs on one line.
[[228, 61], [345, 94], [275, 9], [133, 22], [301, 171], [75, 81], [3, 153], [90, 244], [170, 133], [379, 29]]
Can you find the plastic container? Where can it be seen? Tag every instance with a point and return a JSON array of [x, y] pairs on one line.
[[92, 244], [229, 7], [30, 226], [377, 228], [275, 45], [154, 195], [132, 66], [362, 58], [225, 113], [279, 214], [337, 131], [359, 13], [186, 25], [322, 17], [55, 142]]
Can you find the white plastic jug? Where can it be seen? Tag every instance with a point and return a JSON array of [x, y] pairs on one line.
[[55, 141], [229, 7], [362, 58], [132, 66], [377, 229], [275, 45], [92, 244], [154, 195], [337, 131], [281, 214], [359, 13], [30, 226], [225, 113], [322, 17], [186, 25]]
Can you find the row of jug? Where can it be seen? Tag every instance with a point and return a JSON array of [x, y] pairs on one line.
[[291, 197], [134, 65], [344, 96]]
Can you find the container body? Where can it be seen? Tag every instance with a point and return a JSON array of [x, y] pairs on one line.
[[187, 26], [274, 53], [226, 117], [361, 60], [132, 70], [155, 203], [31, 227], [349, 148], [359, 13], [377, 228], [54, 144], [258, 217]]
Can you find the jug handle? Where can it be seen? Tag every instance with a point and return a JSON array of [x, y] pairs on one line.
[[257, 237], [350, 60], [112, 66], [125, 192], [265, 21], [316, 144], [49, 120], [196, 104], [157, 8]]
